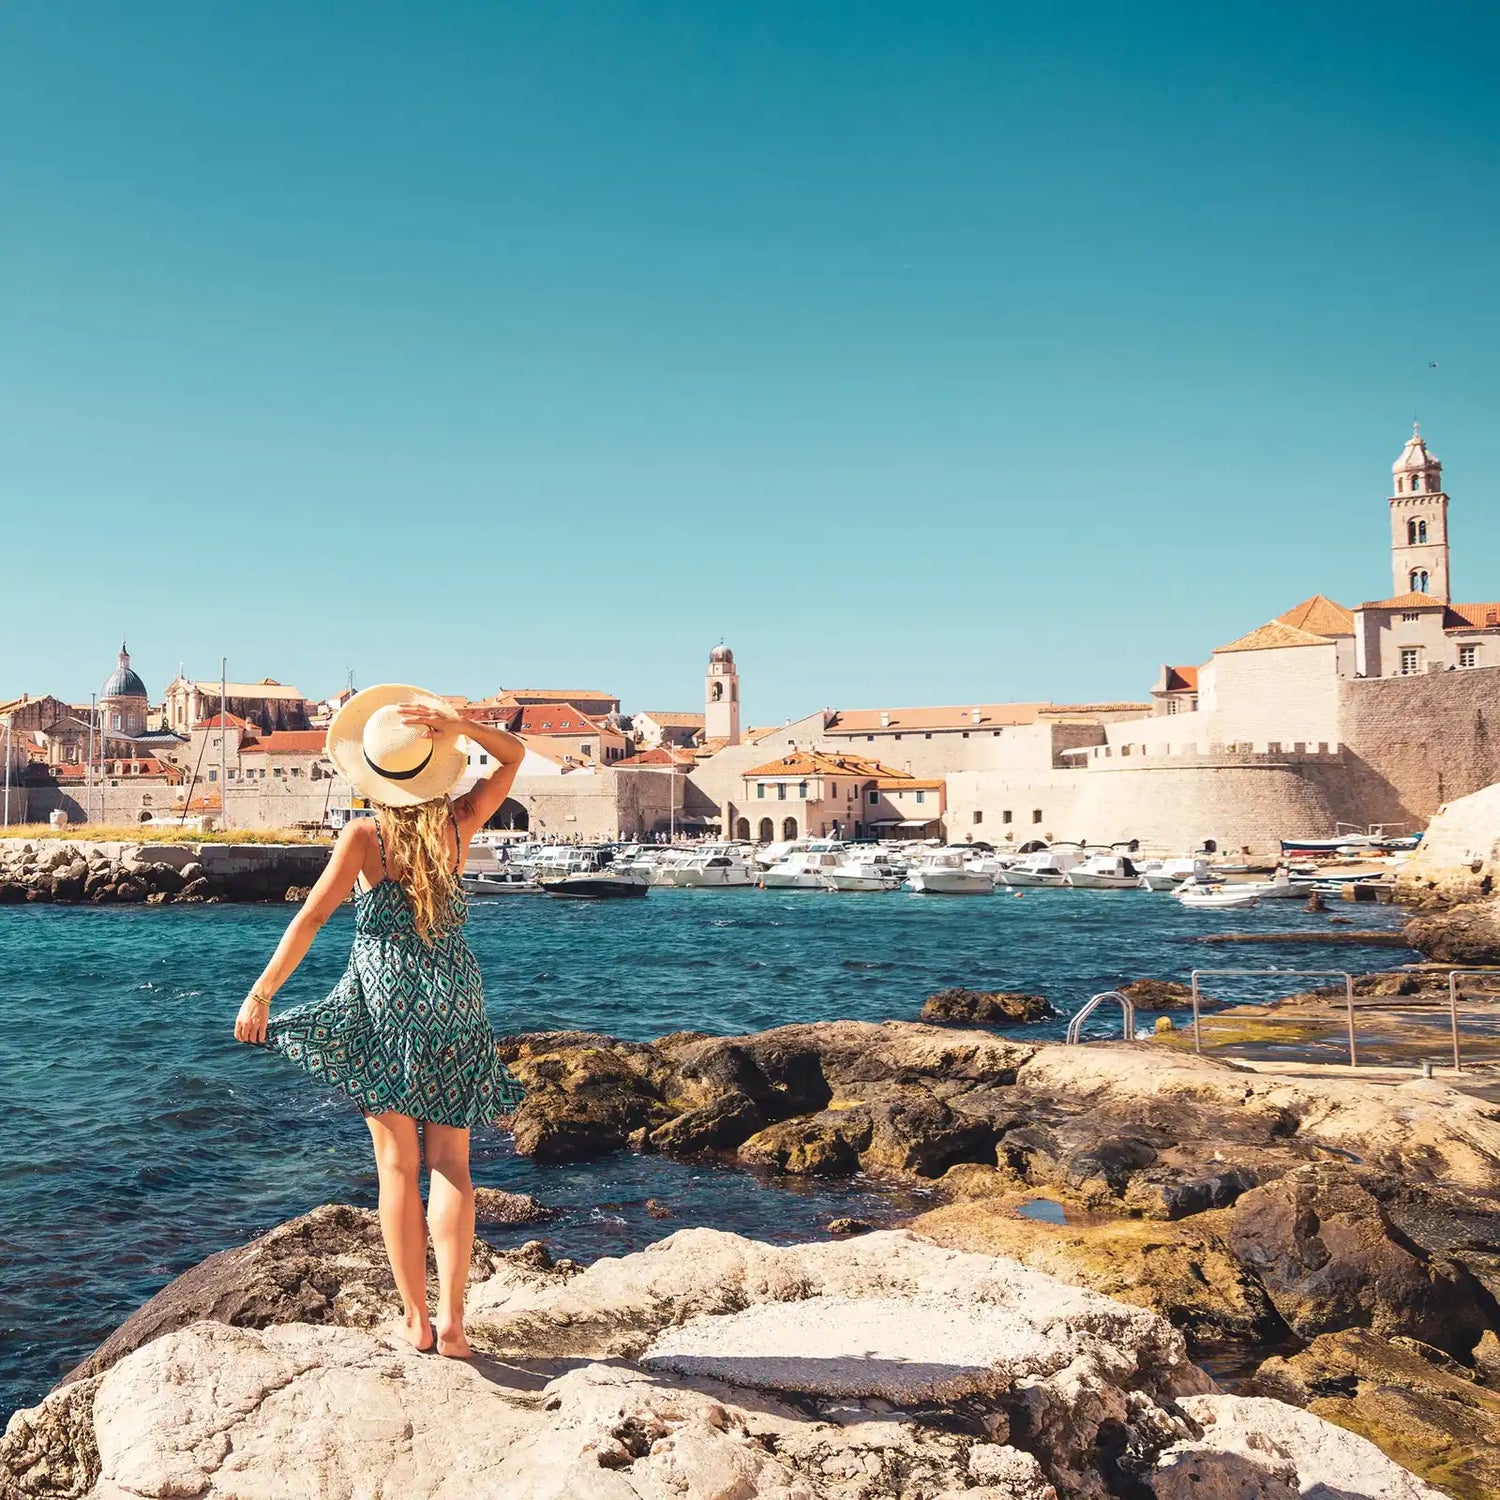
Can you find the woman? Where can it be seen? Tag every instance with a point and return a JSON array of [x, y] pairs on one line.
[[404, 1033]]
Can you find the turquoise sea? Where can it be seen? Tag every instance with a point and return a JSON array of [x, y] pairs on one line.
[[141, 1137]]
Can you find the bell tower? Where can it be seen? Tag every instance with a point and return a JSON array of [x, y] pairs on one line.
[[721, 701], [1419, 522]]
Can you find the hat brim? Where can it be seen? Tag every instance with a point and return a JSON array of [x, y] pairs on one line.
[[346, 749]]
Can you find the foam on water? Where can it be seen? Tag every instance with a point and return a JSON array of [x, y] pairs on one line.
[[142, 1138]]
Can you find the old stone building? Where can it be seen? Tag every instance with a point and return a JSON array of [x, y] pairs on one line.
[[267, 704]]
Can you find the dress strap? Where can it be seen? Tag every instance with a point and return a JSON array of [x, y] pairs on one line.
[[380, 840], [458, 840]]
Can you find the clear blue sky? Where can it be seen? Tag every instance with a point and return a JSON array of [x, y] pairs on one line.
[[925, 352]]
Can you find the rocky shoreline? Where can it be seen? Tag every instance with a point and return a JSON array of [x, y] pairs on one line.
[[1113, 1226], [75, 872]]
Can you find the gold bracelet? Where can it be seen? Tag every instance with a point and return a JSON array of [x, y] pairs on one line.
[[258, 999]]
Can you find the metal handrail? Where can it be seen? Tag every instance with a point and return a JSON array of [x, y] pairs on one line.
[[1279, 974], [1454, 975], [1127, 1015]]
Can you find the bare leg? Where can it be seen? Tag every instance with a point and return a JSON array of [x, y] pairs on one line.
[[450, 1218], [398, 1159]]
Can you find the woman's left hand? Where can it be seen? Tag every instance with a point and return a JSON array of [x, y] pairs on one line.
[[431, 716], [250, 1024]]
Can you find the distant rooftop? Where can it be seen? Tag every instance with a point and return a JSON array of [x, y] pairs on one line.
[[1319, 615]]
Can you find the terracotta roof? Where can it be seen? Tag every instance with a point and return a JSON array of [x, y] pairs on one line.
[[909, 784], [819, 763], [709, 748], [1471, 616], [287, 742], [223, 721], [661, 755], [1181, 679], [991, 716], [672, 720], [556, 718], [1319, 615], [1273, 637], [1405, 601]]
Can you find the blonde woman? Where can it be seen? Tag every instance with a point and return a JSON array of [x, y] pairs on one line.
[[404, 1033]]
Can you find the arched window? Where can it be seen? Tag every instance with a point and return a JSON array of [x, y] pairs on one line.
[[1411, 533], [742, 830], [767, 831], [1416, 483], [717, 691], [789, 828], [1418, 581], [1421, 531]]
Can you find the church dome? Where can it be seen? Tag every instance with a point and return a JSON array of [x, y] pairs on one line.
[[122, 682], [721, 653], [1414, 455]]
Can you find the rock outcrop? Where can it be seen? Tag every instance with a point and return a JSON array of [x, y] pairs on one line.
[[68, 872], [710, 1367], [1458, 859], [960, 1007]]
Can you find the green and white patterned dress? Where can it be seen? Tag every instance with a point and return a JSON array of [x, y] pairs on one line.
[[405, 1029]]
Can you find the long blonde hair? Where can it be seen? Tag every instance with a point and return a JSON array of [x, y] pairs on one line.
[[419, 852]]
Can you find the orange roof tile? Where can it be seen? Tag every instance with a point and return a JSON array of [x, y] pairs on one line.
[[1181, 679], [819, 763], [673, 720], [223, 721], [1320, 616], [1405, 601], [1272, 637], [555, 718], [1471, 617], [991, 716], [909, 784], [661, 755], [287, 742]]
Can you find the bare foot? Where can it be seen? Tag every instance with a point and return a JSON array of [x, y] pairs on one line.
[[452, 1343], [416, 1330]]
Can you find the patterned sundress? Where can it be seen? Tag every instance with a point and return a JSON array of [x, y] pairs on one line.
[[405, 1029]]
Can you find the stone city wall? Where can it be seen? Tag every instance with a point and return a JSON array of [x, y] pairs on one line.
[[1421, 741]]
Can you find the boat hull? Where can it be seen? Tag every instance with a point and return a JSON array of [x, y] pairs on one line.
[[837, 882], [951, 883], [594, 887], [1083, 882], [1218, 901], [704, 877], [1031, 878]]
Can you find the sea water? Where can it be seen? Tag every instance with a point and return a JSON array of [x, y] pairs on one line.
[[140, 1137]]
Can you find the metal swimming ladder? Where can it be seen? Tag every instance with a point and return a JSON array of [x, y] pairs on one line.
[[1127, 1015], [1454, 975]]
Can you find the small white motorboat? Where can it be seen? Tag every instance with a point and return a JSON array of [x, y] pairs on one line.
[[1043, 867], [946, 872], [863, 870], [712, 864], [802, 871], [1168, 874], [1105, 872], [500, 881], [1216, 897]]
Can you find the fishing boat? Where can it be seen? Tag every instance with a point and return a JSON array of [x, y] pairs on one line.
[[1105, 872], [946, 872], [588, 875]]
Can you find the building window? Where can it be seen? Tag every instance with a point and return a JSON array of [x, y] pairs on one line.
[[1036, 815], [1171, 705], [870, 738], [213, 775], [802, 790], [927, 736], [1005, 816], [1419, 580], [1411, 660], [1416, 483], [921, 797], [978, 816], [277, 773], [583, 749], [874, 798], [781, 791], [760, 789], [898, 736], [484, 760], [1468, 656], [1411, 617]]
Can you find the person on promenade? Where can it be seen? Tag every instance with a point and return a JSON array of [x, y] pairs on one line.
[[404, 1033]]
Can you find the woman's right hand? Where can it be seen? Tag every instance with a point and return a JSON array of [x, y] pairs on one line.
[[250, 1024]]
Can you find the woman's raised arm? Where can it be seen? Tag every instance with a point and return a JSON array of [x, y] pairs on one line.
[[482, 801], [325, 898]]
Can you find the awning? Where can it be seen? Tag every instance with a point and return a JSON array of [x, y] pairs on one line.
[[885, 822], [704, 822], [917, 822]]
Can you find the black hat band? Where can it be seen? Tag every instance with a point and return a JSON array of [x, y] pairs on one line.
[[401, 775]]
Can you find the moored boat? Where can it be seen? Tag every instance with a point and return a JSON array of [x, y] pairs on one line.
[[945, 872], [1106, 872], [1216, 897]]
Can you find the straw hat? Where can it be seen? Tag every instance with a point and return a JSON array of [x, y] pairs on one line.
[[387, 761]]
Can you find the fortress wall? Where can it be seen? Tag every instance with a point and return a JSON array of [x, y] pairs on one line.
[[1419, 742], [1054, 794], [1173, 804]]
